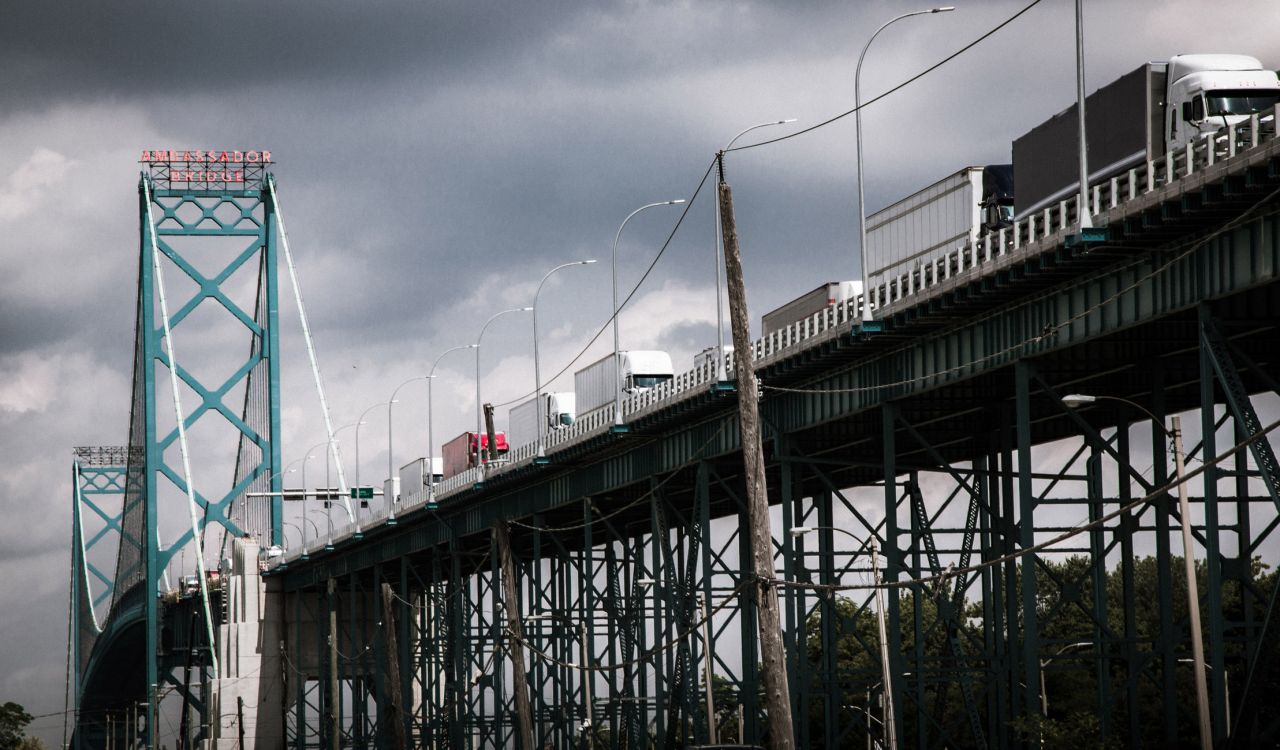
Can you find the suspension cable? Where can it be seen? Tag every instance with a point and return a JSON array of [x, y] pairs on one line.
[[197, 538], [334, 450]]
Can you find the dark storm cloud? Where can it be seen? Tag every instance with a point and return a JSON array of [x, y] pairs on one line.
[[137, 47], [435, 158]]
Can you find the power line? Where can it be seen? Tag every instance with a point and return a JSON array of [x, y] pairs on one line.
[[605, 326], [896, 88]]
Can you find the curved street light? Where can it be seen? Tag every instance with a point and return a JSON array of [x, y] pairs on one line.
[[431, 452], [721, 376], [1174, 431], [867, 323], [617, 312], [479, 408], [890, 727], [359, 422], [391, 469], [537, 371]]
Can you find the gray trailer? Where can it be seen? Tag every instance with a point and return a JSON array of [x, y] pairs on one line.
[[808, 304], [927, 225], [522, 423], [596, 385], [1122, 127]]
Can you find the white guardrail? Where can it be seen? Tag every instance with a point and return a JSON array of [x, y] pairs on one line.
[[1024, 238]]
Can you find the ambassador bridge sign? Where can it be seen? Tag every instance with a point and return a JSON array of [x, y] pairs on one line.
[[206, 170]]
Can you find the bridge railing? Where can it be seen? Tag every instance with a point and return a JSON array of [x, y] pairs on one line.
[[901, 284], [1024, 237]]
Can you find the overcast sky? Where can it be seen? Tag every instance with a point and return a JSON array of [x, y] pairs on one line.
[[434, 159]]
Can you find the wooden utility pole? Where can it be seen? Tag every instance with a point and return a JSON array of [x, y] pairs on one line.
[[395, 715], [777, 692], [332, 703], [511, 603]]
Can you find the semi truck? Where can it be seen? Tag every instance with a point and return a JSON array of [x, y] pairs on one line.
[[459, 454], [414, 479], [595, 385], [522, 421], [930, 223], [807, 304], [1157, 108]]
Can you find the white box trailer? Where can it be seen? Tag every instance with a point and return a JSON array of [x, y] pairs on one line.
[[927, 225], [413, 479], [595, 386], [522, 421], [805, 305]]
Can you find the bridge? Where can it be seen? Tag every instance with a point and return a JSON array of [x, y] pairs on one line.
[[1028, 544]]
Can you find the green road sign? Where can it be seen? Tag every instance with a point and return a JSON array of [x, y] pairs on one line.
[[362, 493]]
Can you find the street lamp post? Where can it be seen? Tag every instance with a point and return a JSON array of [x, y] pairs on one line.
[[617, 355], [479, 407], [391, 468], [356, 424], [1044, 696], [868, 325], [721, 376], [431, 454], [1193, 588], [359, 422], [307, 491], [537, 372], [1083, 209]]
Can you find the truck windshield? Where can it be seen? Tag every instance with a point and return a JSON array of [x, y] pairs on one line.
[[1240, 101], [648, 381]]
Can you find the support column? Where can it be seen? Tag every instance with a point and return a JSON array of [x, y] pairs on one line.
[[1026, 538]]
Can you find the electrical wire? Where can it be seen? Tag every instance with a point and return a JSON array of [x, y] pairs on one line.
[[1158, 492], [898, 87], [641, 498], [647, 654], [608, 321]]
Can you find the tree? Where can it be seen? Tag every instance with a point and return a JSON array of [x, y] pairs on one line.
[[13, 719], [31, 743]]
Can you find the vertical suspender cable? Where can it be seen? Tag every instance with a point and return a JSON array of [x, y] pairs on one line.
[[311, 350], [84, 557], [196, 536]]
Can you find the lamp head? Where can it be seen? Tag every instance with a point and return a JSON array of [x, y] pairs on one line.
[[943, 9], [1073, 400], [799, 531], [787, 121], [676, 202]]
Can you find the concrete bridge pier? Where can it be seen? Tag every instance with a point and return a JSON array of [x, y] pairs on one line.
[[248, 696]]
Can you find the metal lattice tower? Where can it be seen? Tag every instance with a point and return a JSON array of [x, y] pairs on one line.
[[213, 227]]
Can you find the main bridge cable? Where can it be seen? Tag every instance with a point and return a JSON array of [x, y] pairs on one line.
[[896, 88], [334, 451], [197, 537], [1190, 246]]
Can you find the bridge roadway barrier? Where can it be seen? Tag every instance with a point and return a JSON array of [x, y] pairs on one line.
[[1036, 252]]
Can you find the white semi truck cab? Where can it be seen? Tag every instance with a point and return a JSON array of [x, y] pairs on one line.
[[1209, 92]]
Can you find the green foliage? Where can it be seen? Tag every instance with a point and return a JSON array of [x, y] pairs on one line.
[[1075, 731], [1069, 592], [13, 719]]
